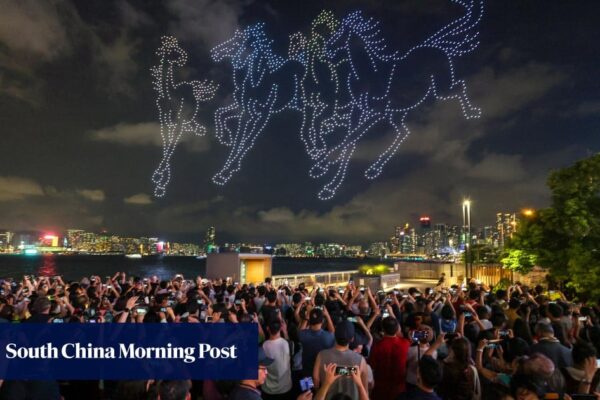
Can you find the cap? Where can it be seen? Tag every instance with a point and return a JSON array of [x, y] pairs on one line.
[[344, 331], [315, 317], [263, 360]]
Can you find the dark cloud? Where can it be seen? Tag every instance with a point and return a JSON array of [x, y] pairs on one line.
[[145, 134], [139, 199], [208, 21]]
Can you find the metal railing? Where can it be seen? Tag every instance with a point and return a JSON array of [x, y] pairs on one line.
[[488, 274], [337, 278]]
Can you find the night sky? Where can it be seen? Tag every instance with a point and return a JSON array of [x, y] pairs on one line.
[[80, 132]]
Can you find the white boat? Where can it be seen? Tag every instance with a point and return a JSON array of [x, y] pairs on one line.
[[133, 255]]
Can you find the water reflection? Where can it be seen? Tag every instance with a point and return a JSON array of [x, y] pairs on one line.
[[48, 267]]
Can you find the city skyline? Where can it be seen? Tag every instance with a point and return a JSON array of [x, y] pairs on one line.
[[426, 237], [80, 143]]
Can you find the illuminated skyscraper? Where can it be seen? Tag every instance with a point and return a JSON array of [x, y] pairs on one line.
[[506, 224], [378, 249], [5, 241], [74, 238], [209, 240]]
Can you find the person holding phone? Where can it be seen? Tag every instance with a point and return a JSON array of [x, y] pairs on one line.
[[331, 375], [314, 339], [341, 355]]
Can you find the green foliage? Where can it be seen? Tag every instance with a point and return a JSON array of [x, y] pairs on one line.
[[379, 269], [481, 254], [566, 236], [519, 260], [503, 284]]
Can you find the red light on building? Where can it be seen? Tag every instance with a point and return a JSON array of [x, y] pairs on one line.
[[49, 240], [425, 221]]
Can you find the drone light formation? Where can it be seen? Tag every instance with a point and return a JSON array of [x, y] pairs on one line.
[[258, 78], [322, 79], [176, 116]]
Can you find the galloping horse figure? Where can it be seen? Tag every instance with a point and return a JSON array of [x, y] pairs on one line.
[[321, 84], [176, 116], [264, 84], [380, 83]]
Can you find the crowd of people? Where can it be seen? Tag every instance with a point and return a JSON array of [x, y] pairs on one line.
[[467, 342]]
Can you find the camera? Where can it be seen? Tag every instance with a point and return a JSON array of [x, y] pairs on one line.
[[352, 319]]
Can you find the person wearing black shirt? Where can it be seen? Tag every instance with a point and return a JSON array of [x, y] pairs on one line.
[[429, 375]]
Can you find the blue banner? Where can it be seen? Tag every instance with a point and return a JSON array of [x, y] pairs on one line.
[[129, 351]]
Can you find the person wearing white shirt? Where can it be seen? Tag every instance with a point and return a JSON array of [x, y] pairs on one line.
[[278, 384]]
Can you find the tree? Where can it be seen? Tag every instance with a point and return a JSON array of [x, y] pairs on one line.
[[565, 237], [481, 254], [519, 260]]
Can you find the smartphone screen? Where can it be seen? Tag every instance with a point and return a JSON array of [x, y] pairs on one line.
[[344, 371], [306, 384]]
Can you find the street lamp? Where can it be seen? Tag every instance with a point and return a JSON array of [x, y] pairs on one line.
[[466, 209], [528, 212]]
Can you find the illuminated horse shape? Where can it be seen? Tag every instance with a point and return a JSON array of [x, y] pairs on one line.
[[264, 84], [176, 116], [377, 82], [321, 83]]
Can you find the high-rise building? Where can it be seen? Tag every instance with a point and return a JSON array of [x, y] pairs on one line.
[[289, 249], [378, 249], [74, 238], [308, 249], [425, 236], [330, 250], [352, 251], [408, 241], [210, 245], [440, 237], [6, 241], [488, 236], [454, 235], [506, 224]]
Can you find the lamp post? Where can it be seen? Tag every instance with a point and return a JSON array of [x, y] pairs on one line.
[[466, 209]]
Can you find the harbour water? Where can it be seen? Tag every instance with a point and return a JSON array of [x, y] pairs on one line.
[[74, 267]]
